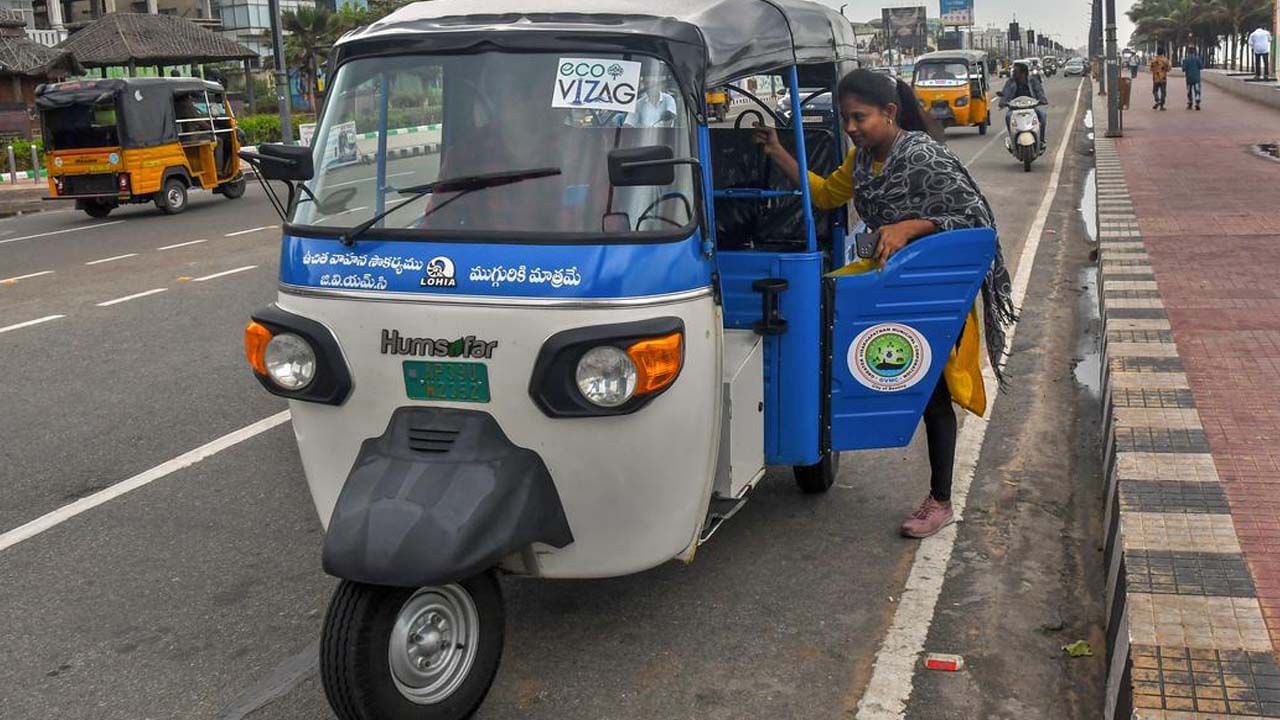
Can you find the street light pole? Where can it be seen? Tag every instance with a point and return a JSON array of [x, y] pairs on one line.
[[1115, 123], [282, 76]]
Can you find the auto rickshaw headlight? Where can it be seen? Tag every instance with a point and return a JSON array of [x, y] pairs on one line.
[[962, 101], [290, 361], [606, 376]]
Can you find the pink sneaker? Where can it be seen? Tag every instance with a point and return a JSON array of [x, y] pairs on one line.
[[931, 517]]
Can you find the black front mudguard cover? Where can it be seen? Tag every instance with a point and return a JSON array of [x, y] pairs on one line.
[[442, 495]]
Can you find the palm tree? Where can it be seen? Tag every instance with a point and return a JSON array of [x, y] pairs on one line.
[[1206, 23], [311, 35]]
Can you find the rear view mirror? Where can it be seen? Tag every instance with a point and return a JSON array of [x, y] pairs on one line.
[[277, 161], [653, 165]]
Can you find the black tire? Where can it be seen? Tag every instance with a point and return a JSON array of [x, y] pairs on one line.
[[1027, 157], [234, 189], [354, 665], [815, 479], [982, 128], [172, 198], [97, 210]]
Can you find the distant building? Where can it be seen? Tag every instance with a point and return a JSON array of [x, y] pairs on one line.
[[249, 22]]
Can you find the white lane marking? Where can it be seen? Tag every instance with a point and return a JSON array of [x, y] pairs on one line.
[[134, 296], [111, 259], [892, 677], [187, 459], [224, 273], [29, 323], [95, 226], [370, 179], [28, 276], [250, 230], [183, 244], [982, 151], [322, 220]]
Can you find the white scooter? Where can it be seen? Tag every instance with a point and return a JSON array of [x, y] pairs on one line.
[[1025, 138]]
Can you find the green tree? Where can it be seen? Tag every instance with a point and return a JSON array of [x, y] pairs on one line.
[[311, 32]]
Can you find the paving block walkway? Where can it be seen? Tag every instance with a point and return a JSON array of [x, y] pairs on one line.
[[1189, 220]]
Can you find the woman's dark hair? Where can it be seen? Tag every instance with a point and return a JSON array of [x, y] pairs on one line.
[[881, 91]]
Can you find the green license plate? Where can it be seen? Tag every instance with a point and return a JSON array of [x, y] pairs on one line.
[[452, 381]]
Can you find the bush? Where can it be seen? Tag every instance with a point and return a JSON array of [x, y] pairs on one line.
[[265, 127], [22, 153], [260, 129]]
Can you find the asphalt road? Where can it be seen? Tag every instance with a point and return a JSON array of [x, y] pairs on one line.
[[200, 595]]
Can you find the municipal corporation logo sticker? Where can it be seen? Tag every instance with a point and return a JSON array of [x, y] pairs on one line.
[[889, 357], [440, 273]]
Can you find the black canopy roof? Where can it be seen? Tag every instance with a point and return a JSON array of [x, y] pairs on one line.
[[146, 112], [710, 41]]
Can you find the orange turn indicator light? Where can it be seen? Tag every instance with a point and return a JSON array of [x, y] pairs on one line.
[[658, 362], [256, 337]]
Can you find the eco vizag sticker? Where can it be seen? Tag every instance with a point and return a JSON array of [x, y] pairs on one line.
[[889, 357]]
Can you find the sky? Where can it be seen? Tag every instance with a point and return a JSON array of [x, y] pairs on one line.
[[1068, 17]]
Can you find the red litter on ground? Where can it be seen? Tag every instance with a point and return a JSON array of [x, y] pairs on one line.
[[943, 662]]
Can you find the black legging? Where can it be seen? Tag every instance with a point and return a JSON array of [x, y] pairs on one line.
[[940, 430]]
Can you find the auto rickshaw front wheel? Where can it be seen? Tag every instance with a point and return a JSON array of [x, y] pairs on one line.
[[172, 198], [818, 478], [427, 653]]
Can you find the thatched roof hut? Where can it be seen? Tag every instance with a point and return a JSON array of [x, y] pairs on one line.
[[24, 64], [134, 39]]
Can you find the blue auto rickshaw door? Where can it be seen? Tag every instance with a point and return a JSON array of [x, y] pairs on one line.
[[892, 332]]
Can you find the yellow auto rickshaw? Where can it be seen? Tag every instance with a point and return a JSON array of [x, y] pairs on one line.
[[718, 103], [953, 87], [136, 140]]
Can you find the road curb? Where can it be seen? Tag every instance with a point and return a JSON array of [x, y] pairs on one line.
[[1186, 639]]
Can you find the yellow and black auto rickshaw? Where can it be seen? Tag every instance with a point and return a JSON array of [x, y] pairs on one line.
[[953, 87], [136, 140], [718, 102]]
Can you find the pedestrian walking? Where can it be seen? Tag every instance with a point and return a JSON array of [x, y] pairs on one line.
[[1134, 63], [1260, 43], [905, 184], [1191, 66], [1160, 80]]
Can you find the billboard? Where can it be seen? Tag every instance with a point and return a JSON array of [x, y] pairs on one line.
[[906, 29], [956, 12]]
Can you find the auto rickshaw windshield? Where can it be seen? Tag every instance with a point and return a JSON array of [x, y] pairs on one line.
[[937, 74], [410, 120]]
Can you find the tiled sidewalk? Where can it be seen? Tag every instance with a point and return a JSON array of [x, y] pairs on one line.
[[1190, 289]]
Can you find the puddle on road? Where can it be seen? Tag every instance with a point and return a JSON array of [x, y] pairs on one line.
[[1089, 206], [1088, 359]]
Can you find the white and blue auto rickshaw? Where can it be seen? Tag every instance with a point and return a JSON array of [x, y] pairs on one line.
[[549, 322]]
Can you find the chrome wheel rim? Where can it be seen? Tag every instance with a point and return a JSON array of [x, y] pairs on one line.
[[434, 643], [175, 198]]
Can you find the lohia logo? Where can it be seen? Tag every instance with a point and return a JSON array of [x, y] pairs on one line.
[[889, 357], [440, 273]]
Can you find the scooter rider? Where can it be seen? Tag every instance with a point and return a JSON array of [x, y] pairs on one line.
[[1023, 84]]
